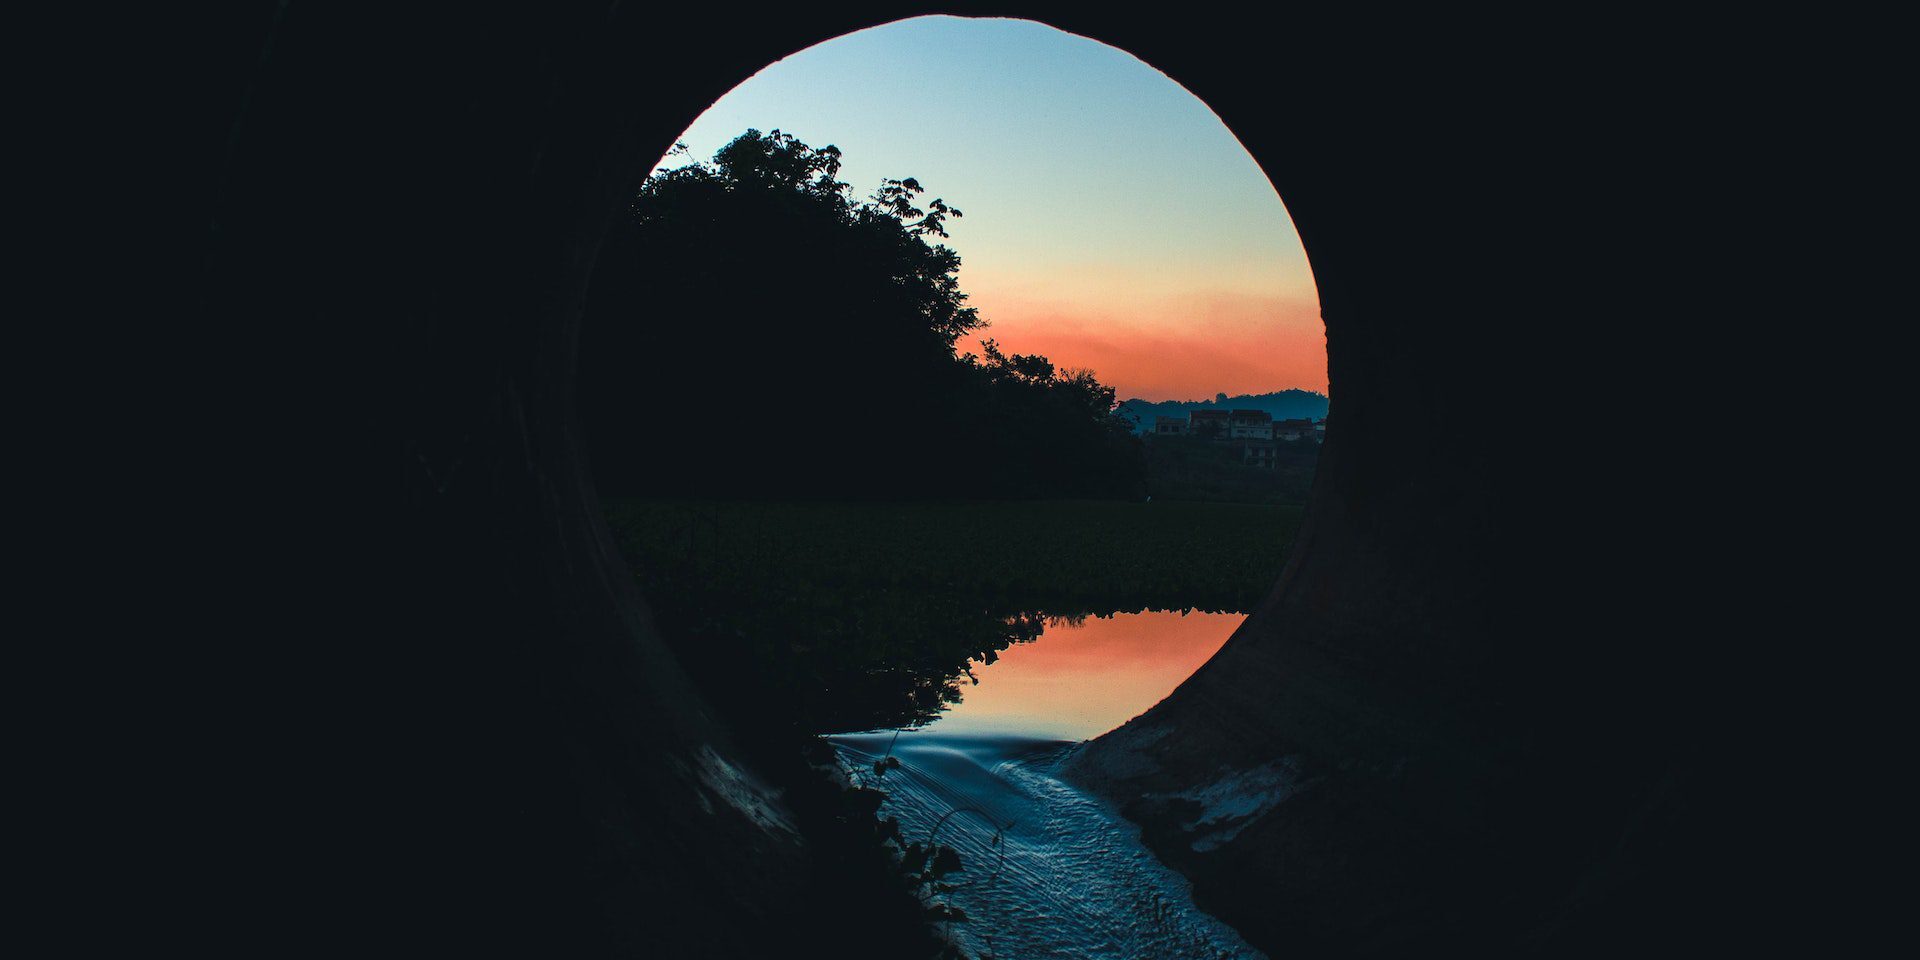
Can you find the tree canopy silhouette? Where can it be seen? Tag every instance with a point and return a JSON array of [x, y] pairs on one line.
[[753, 329]]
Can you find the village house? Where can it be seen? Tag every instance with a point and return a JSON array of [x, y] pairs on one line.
[[1257, 453], [1251, 428], [1251, 425], [1214, 423], [1294, 430]]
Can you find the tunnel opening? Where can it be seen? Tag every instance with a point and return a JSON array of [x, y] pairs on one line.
[[733, 353], [1495, 765], [865, 489]]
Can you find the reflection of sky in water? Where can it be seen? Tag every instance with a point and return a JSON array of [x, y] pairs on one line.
[[1049, 871], [1077, 682]]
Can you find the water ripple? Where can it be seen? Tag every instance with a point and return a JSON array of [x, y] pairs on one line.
[[1076, 883]]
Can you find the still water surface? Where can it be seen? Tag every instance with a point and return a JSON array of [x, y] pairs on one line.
[[1051, 871]]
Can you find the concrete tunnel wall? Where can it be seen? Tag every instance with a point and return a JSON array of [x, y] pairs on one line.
[[415, 199]]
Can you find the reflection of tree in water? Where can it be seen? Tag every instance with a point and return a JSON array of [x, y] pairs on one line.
[[826, 618], [827, 658]]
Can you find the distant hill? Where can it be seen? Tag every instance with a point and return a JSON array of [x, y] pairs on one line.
[[1283, 405]]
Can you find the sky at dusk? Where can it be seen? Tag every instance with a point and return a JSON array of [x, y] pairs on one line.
[[1112, 221]]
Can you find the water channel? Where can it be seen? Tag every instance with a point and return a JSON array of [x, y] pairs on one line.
[[1050, 871]]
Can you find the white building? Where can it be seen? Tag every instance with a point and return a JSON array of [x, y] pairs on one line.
[[1251, 425]]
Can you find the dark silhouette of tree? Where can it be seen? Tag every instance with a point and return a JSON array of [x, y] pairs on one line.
[[755, 330]]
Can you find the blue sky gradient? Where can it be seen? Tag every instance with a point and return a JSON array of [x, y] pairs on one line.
[[1112, 220]]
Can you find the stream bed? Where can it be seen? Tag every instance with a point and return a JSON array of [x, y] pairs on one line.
[[1050, 871]]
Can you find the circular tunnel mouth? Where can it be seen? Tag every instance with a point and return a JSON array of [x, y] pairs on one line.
[[1001, 479], [1436, 554], [1095, 396]]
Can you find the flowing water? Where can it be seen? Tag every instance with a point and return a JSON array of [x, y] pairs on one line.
[[1049, 871]]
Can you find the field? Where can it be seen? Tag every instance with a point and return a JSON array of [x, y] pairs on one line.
[[838, 616], [1086, 555]]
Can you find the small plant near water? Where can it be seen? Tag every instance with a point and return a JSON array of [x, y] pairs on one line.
[[926, 868]]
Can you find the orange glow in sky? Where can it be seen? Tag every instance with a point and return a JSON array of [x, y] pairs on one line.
[[1175, 348], [1112, 221]]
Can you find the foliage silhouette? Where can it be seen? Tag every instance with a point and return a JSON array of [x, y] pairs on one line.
[[753, 329]]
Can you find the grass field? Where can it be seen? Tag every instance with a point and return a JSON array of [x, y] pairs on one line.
[[1093, 556], [857, 616]]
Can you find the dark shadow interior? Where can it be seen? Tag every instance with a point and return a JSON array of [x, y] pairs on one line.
[[415, 199]]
